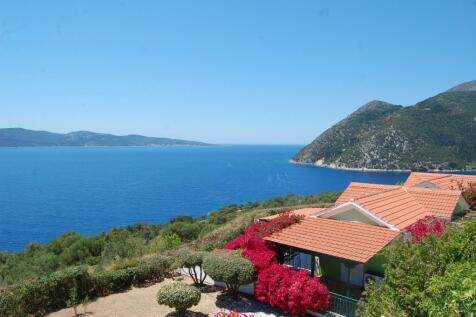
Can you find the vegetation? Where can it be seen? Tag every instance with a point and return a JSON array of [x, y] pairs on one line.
[[230, 268], [294, 292], [76, 285], [72, 269], [436, 133], [431, 276], [179, 296], [119, 245], [193, 262], [23, 137]]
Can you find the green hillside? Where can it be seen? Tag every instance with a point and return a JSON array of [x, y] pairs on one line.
[[436, 133], [16, 137]]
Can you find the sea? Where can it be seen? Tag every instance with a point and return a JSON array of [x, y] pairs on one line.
[[46, 191]]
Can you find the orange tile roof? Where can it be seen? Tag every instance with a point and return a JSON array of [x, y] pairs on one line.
[[356, 190], [343, 239], [416, 178], [443, 181], [306, 212], [439, 202], [401, 206], [396, 207]]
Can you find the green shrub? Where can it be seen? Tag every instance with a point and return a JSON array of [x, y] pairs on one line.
[[151, 270], [43, 294], [230, 268], [187, 231], [434, 277], [120, 245], [70, 287], [179, 296], [165, 243], [192, 261]]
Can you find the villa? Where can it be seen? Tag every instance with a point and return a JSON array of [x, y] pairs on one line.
[[342, 243]]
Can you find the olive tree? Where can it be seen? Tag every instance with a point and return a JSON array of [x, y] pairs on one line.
[[193, 262], [230, 268], [179, 296]]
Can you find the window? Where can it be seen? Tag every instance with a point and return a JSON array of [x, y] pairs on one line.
[[298, 260]]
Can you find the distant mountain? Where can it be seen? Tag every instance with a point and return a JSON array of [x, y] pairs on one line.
[[16, 137], [438, 133]]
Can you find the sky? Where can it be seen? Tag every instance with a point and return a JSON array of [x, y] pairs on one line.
[[228, 72]]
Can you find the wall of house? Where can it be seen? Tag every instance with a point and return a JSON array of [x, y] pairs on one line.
[[353, 215], [375, 265], [330, 266]]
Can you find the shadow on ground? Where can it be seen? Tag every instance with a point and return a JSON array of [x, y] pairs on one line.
[[246, 305]]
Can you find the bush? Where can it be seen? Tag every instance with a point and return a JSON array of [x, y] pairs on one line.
[[261, 229], [429, 225], [434, 277], [260, 252], [165, 243], [192, 260], [230, 268], [179, 296], [294, 292], [72, 286], [40, 295], [185, 230]]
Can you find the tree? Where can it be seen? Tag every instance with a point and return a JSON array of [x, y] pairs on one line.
[[192, 260], [230, 268], [179, 296], [74, 299], [434, 276]]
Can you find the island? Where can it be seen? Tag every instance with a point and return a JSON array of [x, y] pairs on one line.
[[18, 137]]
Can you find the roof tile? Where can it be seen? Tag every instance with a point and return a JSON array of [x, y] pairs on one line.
[[343, 239]]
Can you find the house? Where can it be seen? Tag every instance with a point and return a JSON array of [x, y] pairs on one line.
[[342, 243]]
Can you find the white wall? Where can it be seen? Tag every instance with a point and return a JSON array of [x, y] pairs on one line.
[[245, 289]]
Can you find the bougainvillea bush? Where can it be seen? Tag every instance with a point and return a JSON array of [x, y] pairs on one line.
[[260, 252], [429, 225], [293, 291]]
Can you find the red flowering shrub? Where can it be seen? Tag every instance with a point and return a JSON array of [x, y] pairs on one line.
[[224, 313], [292, 291], [262, 229], [468, 191], [429, 225], [260, 252]]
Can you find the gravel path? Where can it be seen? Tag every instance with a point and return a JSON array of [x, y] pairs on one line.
[[141, 302]]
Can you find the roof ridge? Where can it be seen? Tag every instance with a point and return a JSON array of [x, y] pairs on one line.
[[403, 189], [379, 193], [435, 190], [349, 223], [372, 184]]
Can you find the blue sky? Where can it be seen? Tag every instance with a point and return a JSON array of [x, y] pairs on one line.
[[255, 72]]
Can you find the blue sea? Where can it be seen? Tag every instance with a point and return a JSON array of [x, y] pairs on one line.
[[47, 191]]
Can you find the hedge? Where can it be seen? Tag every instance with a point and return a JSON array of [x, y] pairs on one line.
[[41, 295]]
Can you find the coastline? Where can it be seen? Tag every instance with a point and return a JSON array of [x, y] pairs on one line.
[[363, 169]]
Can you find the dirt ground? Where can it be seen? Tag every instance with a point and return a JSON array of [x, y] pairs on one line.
[[141, 302]]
